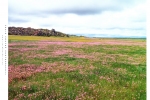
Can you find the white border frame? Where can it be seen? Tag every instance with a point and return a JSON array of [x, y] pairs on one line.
[[4, 50]]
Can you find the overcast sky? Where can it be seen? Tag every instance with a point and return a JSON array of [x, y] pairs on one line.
[[104, 18]]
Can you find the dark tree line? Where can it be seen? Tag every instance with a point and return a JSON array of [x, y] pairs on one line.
[[35, 32]]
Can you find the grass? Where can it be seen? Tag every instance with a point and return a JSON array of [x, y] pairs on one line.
[[76, 68], [52, 38]]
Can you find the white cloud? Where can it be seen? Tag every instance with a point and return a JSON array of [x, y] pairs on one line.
[[122, 18]]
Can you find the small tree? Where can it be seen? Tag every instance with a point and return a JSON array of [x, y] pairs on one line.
[[53, 30]]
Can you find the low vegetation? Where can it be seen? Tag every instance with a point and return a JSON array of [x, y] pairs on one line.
[[76, 68]]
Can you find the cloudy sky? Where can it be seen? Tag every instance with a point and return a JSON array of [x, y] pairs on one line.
[[101, 18]]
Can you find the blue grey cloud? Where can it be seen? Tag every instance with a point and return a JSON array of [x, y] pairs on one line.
[[16, 20], [79, 7]]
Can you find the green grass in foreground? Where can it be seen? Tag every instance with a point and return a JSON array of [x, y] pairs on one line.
[[88, 72]]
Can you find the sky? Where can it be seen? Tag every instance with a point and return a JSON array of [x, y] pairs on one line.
[[93, 18]]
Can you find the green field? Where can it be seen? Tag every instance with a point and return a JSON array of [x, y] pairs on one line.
[[76, 68]]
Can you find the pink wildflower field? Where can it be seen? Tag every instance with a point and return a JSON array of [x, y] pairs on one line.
[[100, 69]]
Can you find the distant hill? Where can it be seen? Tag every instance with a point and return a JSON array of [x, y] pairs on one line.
[[35, 32]]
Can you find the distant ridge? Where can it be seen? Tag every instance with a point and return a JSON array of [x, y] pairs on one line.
[[34, 32]]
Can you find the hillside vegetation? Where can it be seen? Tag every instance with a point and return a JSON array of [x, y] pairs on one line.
[[34, 32]]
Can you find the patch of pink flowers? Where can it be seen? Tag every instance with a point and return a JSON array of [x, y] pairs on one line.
[[62, 52], [21, 72]]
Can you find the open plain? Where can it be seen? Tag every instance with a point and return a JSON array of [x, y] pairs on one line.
[[76, 68]]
